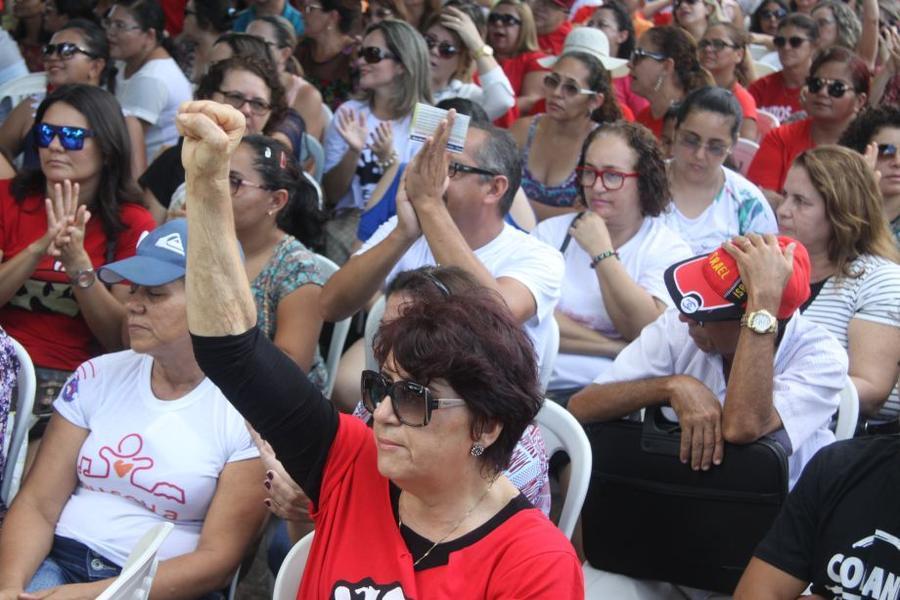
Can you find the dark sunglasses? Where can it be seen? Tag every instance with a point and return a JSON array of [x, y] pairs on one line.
[[795, 41], [374, 55], [65, 51], [238, 100], [445, 49], [412, 402], [772, 14], [639, 53], [678, 3], [71, 138], [505, 20], [569, 89], [835, 89], [717, 45], [455, 168], [887, 150]]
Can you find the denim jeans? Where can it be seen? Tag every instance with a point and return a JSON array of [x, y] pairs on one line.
[[71, 562]]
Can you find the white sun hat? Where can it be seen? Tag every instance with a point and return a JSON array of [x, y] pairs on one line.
[[590, 41]]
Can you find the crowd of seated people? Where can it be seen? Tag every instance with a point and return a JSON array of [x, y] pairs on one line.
[[690, 204]]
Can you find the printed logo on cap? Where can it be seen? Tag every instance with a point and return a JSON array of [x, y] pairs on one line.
[[690, 304], [171, 242]]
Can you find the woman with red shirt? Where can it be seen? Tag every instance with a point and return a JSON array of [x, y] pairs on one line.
[[664, 69], [837, 89], [50, 298], [723, 52]]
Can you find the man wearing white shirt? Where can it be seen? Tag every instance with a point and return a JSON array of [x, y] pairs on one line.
[[450, 211]]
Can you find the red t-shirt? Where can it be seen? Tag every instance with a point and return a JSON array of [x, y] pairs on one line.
[[777, 152], [553, 42], [773, 96], [43, 315], [516, 68], [359, 545], [748, 104], [628, 98], [646, 118]]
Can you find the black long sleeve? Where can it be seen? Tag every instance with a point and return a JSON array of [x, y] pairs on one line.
[[276, 398]]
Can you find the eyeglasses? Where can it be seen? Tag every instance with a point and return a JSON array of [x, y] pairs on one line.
[[70, 138], [374, 55], [412, 402], [65, 51], [678, 3], [503, 19], [569, 89], [693, 143], [455, 168], [445, 49], [717, 45], [887, 151], [238, 100], [611, 179], [308, 8], [235, 182], [835, 88], [639, 53], [772, 14], [117, 26], [795, 40]]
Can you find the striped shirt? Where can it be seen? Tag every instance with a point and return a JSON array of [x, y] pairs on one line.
[[873, 295]]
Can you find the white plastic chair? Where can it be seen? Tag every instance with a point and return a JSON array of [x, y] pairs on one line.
[[762, 69], [291, 572], [17, 89], [25, 387], [548, 359], [742, 154], [757, 51], [848, 412], [561, 431], [373, 321], [339, 332], [134, 582], [765, 122]]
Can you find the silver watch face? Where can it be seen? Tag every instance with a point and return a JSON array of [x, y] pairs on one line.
[[85, 279], [761, 321]]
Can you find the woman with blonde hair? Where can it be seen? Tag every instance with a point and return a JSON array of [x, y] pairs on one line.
[[513, 36], [833, 207]]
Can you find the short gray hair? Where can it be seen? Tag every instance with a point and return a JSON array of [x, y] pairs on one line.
[[499, 153]]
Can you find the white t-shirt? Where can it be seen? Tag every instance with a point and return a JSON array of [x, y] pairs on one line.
[[512, 254], [872, 296], [737, 209], [367, 170], [495, 94], [153, 94], [144, 459], [810, 370], [645, 258]]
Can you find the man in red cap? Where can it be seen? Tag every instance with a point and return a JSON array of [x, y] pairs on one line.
[[735, 360], [551, 18]]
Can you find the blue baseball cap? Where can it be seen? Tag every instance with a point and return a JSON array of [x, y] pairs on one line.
[[160, 258]]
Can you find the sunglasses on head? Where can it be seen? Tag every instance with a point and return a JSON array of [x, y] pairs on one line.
[[716, 45], [444, 49], [569, 89], [65, 51], [795, 41], [505, 20], [412, 402], [374, 55], [772, 14], [835, 89], [70, 138], [887, 150]]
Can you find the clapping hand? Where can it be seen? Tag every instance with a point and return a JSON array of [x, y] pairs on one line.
[[60, 213], [383, 142], [69, 242], [426, 176], [352, 127], [212, 132]]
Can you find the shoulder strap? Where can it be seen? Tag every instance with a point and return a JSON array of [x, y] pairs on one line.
[[568, 238]]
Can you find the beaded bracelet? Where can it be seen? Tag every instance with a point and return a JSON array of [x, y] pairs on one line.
[[603, 256]]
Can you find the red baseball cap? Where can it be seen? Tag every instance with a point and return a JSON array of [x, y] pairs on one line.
[[709, 287]]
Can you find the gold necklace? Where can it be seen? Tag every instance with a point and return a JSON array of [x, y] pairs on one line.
[[449, 533]]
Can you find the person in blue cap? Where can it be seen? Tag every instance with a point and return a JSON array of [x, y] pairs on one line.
[[151, 440]]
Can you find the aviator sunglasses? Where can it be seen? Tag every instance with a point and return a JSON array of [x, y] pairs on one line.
[[502, 19], [887, 150], [412, 402], [444, 49], [71, 138], [374, 55], [65, 51]]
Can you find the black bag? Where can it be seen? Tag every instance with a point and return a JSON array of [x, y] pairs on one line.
[[649, 516]]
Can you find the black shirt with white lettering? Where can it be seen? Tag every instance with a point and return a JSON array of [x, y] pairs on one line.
[[840, 526]]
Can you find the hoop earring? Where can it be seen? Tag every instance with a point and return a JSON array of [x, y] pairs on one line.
[[477, 449]]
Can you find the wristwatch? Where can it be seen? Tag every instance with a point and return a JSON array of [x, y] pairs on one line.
[[483, 51], [760, 321], [83, 278]]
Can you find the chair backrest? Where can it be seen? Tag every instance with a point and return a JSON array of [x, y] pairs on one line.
[[313, 149], [561, 431], [25, 387], [548, 359], [338, 333], [291, 572], [765, 122], [757, 51], [742, 154], [17, 89], [848, 412], [136, 578], [762, 69], [373, 321]]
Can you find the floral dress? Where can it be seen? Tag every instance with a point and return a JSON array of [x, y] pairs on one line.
[[9, 367]]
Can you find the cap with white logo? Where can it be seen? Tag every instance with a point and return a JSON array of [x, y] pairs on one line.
[[160, 258]]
